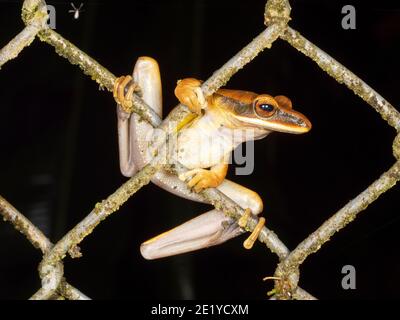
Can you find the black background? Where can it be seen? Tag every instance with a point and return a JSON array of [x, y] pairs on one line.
[[59, 148]]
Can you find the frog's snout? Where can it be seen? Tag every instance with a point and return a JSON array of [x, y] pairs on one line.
[[296, 122], [305, 124]]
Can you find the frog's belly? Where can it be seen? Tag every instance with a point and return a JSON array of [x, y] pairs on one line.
[[199, 151]]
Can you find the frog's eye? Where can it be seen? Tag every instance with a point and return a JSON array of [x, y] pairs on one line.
[[264, 109]]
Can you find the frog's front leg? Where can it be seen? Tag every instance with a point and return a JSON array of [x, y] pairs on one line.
[[189, 93], [203, 178], [209, 229]]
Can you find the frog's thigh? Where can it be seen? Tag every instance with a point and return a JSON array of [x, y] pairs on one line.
[[243, 196], [209, 229], [147, 75], [133, 134]]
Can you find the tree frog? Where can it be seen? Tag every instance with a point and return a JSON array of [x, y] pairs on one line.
[[224, 120]]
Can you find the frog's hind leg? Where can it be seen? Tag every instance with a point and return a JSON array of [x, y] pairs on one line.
[[209, 229], [146, 75], [250, 201], [133, 134], [244, 197]]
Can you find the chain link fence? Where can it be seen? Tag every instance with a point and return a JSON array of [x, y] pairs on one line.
[[287, 274]]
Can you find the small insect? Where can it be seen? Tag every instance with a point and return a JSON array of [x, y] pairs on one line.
[[76, 11]]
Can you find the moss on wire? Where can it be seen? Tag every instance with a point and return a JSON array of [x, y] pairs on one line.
[[276, 16]]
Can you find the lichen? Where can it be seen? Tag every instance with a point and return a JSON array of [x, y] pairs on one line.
[[342, 75], [277, 11], [277, 15]]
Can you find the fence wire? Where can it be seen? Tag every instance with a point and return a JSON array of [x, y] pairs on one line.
[[287, 273]]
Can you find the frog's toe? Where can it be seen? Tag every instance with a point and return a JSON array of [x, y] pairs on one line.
[[190, 100], [196, 179], [189, 93], [197, 102], [200, 179], [242, 222], [124, 88], [200, 99], [201, 185], [204, 179], [249, 242], [189, 173]]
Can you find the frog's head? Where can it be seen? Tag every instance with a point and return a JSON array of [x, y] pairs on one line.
[[266, 113]]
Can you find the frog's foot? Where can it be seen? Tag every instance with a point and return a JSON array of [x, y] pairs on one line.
[[249, 242], [124, 88], [189, 93], [201, 179]]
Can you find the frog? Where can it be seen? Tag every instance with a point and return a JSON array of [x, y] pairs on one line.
[[222, 121]]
